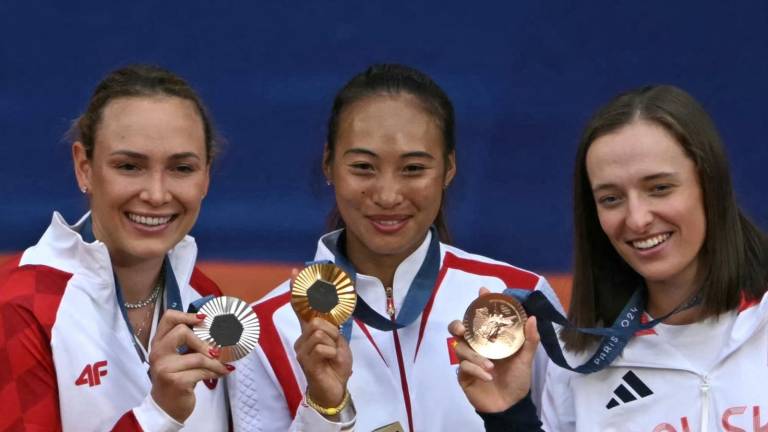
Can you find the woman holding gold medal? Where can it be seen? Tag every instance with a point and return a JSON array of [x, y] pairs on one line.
[[664, 253], [93, 329], [389, 156]]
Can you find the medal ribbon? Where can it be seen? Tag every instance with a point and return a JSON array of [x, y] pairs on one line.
[[614, 338], [415, 300], [172, 292]]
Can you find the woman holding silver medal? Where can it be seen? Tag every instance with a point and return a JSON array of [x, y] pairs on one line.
[[389, 156], [659, 234], [92, 315]]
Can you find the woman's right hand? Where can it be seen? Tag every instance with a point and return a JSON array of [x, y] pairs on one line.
[[174, 375], [494, 386]]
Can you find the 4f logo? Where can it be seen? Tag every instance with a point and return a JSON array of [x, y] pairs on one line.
[[91, 374]]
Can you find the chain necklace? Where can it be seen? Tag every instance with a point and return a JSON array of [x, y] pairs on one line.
[[152, 297]]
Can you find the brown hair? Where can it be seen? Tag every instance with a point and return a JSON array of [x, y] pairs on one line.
[[394, 79], [136, 81], [734, 255]]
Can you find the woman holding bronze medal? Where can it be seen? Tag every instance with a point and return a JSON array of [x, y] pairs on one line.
[[94, 331], [390, 157], [664, 253]]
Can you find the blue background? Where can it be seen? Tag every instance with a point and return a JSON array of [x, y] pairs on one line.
[[524, 77]]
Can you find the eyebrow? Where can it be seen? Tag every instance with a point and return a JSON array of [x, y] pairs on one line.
[[142, 156], [651, 177], [416, 154]]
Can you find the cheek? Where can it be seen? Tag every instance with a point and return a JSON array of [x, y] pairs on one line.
[[609, 223]]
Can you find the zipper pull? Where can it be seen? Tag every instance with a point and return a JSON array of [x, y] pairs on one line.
[[390, 302]]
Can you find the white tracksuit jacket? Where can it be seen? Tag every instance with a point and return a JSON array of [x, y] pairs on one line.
[[267, 387], [651, 388], [67, 355]]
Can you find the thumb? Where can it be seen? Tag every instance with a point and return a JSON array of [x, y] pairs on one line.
[[531, 340]]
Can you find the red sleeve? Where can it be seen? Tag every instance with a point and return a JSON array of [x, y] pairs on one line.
[[29, 299], [127, 423]]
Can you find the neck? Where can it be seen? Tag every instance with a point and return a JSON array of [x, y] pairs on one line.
[[665, 296], [137, 280], [381, 267]]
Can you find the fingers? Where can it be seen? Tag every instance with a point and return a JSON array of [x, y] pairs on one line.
[[456, 329], [171, 318], [171, 365], [178, 336], [469, 370], [319, 339]]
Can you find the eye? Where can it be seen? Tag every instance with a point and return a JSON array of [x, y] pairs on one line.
[[185, 169], [127, 166], [414, 169], [361, 167], [661, 189], [608, 201]]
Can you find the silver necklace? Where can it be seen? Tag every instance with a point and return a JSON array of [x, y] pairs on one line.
[[152, 297]]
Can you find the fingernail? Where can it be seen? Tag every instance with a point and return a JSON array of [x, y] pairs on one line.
[[201, 316], [488, 364], [229, 367], [214, 352]]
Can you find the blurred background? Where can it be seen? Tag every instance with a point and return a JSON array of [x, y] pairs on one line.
[[524, 77]]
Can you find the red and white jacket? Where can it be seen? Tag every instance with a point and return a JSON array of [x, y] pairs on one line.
[[67, 357], [651, 387], [412, 382]]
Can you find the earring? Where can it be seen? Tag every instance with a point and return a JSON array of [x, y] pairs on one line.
[[84, 189], [327, 182]]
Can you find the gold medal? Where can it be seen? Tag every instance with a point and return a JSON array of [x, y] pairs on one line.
[[325, 291], [230, 325], [494, 325]]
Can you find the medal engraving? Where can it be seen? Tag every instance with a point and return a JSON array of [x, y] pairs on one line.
[[494, 325], [230, 325], [325, 291]]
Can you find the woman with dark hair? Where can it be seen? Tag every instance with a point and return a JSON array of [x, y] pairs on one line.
[[390, 156], [655, 214], [91, 317]]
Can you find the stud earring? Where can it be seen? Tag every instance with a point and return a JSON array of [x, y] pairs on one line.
[[327, 182], [83, 189]]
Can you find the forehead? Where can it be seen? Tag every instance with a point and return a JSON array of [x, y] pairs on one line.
[[395, 122], [637, 150], [151, 122]]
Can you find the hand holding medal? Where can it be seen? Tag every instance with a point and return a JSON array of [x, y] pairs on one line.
[[495, 327], [323, 296], [230, 326]]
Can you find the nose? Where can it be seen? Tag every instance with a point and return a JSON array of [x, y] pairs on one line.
[[155, 191], [639, 214], [387, 192]]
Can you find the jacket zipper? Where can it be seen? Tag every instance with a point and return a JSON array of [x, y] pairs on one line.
[[705, 403], [400, 363]]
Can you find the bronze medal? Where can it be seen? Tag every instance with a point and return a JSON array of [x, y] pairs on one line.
[[230, 325], [325, 291], [494, 325]]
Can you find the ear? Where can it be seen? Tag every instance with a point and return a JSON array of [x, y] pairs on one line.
[[207, 180], [327, 163], [450, 169], [83, 169]]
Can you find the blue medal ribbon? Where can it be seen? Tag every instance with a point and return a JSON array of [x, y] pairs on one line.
[[614, 338], [415, 300]]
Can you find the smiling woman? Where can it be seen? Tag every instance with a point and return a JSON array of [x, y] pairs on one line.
[[389, 155], [99, 303]]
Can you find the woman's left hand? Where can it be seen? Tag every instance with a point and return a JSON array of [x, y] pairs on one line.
[[326, 360]]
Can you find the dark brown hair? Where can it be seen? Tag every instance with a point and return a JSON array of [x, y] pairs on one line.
[[137, 81], [734, 255], [393, 79]]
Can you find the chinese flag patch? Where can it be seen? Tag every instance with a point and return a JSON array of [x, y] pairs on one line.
[[452, 350]]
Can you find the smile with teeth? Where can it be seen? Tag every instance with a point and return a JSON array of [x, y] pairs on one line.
[[149, 220], [650, 242]]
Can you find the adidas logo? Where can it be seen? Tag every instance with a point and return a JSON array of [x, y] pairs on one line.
[[622, 392]]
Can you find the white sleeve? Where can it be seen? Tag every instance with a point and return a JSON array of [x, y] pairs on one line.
[[258, 402], [557, 405], [152, 418]]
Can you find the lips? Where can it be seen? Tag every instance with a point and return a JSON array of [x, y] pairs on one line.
[[388, 223], [151, 221], [650, 242]]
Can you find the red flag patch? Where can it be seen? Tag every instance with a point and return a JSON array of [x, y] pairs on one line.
[[452, 350]]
